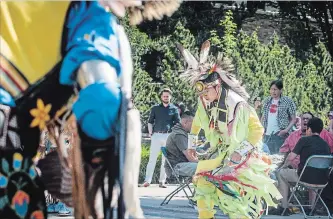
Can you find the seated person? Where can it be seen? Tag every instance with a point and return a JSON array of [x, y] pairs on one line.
[[307, 146], [183, 160], [290, 143]]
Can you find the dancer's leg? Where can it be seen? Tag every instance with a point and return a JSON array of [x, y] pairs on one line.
[[205, 211]]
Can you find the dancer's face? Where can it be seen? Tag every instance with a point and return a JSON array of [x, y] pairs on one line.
[[211, 94]]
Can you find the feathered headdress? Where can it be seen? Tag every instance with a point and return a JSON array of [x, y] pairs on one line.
[[152, 10], [142, 10], [198, 71]]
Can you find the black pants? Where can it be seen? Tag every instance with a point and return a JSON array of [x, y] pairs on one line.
[[327, 194]]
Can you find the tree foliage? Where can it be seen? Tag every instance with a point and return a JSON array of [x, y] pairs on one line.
[[303, 23], [306, 82], [320, 12], [169, 64]]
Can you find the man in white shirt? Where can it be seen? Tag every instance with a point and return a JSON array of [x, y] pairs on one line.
[[278, 117]]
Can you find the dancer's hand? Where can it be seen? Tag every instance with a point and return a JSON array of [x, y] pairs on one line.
[[195, 179], [236, 157]]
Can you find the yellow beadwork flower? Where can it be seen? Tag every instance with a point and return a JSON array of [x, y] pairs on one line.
[[41, 114]]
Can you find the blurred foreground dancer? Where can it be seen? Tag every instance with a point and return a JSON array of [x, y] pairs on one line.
[[52, 51]]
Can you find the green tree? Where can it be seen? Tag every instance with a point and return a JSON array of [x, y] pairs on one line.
[[319, 11], [144, 90], [172, 64], [309, 82], [306, 82]]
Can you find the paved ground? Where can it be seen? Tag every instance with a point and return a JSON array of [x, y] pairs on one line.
[[178, 207]]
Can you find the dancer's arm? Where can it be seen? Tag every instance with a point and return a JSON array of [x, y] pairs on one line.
[[196, 124], [256, 130], [246, 132]]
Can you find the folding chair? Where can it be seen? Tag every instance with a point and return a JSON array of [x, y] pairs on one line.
[[182, 183], [323, 162]]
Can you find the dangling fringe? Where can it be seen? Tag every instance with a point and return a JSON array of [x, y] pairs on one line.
[[96, 176], [83, 200], [78, 181], [51, 128]]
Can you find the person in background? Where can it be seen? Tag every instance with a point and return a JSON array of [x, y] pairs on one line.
[[181, 108], [258, 106], [290, 143], [182, 159], [330, 123], [298, 123], [311, 144], [278, 117], [327, 194], [46, 146], [162, 118]]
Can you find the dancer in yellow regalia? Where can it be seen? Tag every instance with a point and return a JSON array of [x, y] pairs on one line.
[[235, 177]]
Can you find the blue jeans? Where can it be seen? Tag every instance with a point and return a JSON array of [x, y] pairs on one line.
[[274, 142], [186, 168]]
